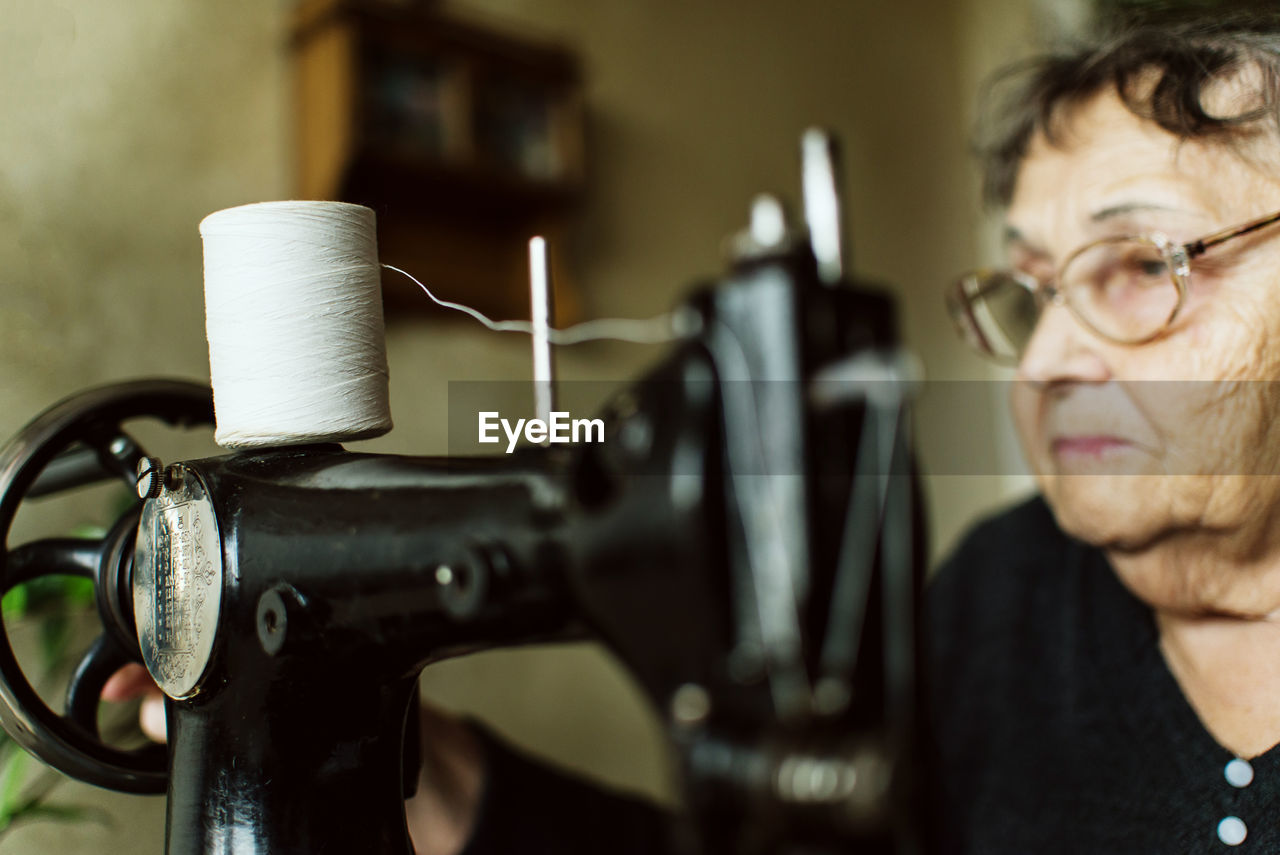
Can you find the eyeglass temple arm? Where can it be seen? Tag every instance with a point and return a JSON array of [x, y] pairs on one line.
[[969, 327], [1198, 246]]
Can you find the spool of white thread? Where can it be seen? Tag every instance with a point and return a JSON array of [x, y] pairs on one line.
[[293, 311]]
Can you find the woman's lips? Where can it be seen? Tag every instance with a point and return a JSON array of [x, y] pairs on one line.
[[1087, 447]]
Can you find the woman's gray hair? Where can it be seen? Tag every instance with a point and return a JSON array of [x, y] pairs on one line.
[[1161, 72]]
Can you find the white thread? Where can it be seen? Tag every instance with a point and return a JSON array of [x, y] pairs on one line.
[[656, 330], [293, 311]]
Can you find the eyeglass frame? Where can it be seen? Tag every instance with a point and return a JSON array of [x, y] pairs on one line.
[[1046, 292]]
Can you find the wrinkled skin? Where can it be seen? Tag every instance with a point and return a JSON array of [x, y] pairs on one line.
[[1179, 497]]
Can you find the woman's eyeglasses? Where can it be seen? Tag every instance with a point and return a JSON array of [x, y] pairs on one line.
[[1126, 289]]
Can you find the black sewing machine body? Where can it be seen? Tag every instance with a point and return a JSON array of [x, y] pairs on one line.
[[287, 599]]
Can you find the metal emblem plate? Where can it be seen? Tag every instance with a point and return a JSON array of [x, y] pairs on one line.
[[177, 585]]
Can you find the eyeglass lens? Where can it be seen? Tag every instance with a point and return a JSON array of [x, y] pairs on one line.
[[1122, 289]]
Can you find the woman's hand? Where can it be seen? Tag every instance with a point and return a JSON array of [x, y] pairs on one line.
[[442, 812], [130, 682], [440, 815]]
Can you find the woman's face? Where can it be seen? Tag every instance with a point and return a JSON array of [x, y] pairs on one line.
[[1132, 444]]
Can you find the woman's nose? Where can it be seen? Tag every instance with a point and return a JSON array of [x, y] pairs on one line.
[[1062, 350]]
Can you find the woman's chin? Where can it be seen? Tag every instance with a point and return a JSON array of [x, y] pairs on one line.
[[1114, 512], [1155, 531]]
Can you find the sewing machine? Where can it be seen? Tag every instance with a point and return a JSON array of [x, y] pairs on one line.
[[745, 539]]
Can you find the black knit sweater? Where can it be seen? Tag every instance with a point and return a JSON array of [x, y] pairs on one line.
[[1059, 726]]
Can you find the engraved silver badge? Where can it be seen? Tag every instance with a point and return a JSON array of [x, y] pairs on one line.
[[177, 584]]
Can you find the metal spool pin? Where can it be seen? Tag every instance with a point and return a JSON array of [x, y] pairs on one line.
[[544, 389]]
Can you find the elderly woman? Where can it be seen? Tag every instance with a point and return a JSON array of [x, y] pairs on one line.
[[1108, 656]]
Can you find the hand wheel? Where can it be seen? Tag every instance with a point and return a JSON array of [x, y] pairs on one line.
[[78, 441]]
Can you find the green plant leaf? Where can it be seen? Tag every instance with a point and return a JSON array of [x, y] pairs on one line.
[[14, 604], [15, 770], [73, 811], [36, 809], [46, 593], [55, 633], [78, 591], [58, 600]]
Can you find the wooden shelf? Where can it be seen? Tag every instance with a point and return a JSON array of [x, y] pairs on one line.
[[465, 141]]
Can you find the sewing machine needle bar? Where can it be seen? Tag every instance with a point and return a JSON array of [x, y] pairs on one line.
[[819, 173]]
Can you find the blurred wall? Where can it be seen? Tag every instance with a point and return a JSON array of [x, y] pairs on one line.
[[124, 123]]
